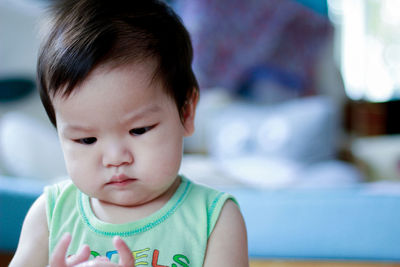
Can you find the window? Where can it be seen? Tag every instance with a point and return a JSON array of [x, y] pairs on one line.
[[368, 46]]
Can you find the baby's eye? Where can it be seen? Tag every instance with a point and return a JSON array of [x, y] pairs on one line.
[[86, 141], [140, 131]]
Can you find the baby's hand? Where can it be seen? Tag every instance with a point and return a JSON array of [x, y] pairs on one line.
[[58, 258], [81, 259], [126, 258]]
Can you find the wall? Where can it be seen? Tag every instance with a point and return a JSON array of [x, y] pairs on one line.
[[19, 43], [19, 40]]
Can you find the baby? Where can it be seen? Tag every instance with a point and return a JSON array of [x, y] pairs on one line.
[[116, 80]]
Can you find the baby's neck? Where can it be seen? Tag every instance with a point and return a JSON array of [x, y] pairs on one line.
[[117, 214]]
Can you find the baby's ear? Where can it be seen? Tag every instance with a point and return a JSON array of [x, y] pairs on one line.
[[189, 112]]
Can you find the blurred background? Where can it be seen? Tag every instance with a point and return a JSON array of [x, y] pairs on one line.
[[295, 94]]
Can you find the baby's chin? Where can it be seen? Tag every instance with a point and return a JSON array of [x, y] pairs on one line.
[[129, 200]]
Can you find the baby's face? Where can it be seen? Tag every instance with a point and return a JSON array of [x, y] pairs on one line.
[[121, 135]]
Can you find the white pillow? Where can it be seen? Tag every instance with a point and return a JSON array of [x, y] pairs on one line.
[[304, 130], [30, 148]]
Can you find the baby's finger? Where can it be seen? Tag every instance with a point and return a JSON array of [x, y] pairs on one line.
[[98, 262], [125, 254], [60, 251], [82, 256], [101, 259]]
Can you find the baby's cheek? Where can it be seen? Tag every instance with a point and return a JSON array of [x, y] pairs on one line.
[[164, 160], [172, 160], [79, 166]]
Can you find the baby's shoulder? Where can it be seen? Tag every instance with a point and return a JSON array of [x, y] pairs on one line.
[[211, 197], [55, 191], [62, 194]]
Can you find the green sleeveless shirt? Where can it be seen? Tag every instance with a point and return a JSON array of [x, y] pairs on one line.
[[176, 235]]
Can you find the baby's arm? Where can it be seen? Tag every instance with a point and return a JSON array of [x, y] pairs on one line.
[[227, 245], [33, 243]]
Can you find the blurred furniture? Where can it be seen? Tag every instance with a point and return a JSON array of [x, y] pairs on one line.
[[356, 224], [365, 118]]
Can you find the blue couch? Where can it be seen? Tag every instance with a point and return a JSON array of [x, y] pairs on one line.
[[311, 224]]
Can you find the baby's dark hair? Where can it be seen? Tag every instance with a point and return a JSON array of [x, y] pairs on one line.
[[87, 33]]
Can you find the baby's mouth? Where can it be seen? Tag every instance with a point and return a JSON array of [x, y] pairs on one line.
[[120, 180]]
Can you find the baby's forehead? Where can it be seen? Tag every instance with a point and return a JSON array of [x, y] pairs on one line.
[[107, 87], [147, 65]]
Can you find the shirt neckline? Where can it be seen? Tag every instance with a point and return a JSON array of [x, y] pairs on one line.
[[136, 227]]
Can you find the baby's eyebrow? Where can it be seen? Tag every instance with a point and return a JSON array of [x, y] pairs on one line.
[[138, 114], [77, 128]]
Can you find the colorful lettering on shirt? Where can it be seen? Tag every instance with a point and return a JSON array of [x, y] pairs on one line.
[[94, 254], [154, 262], [140, 256], [177, 258], [110, 253]]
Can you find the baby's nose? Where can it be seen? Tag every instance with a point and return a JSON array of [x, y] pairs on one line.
[[116, 155]]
